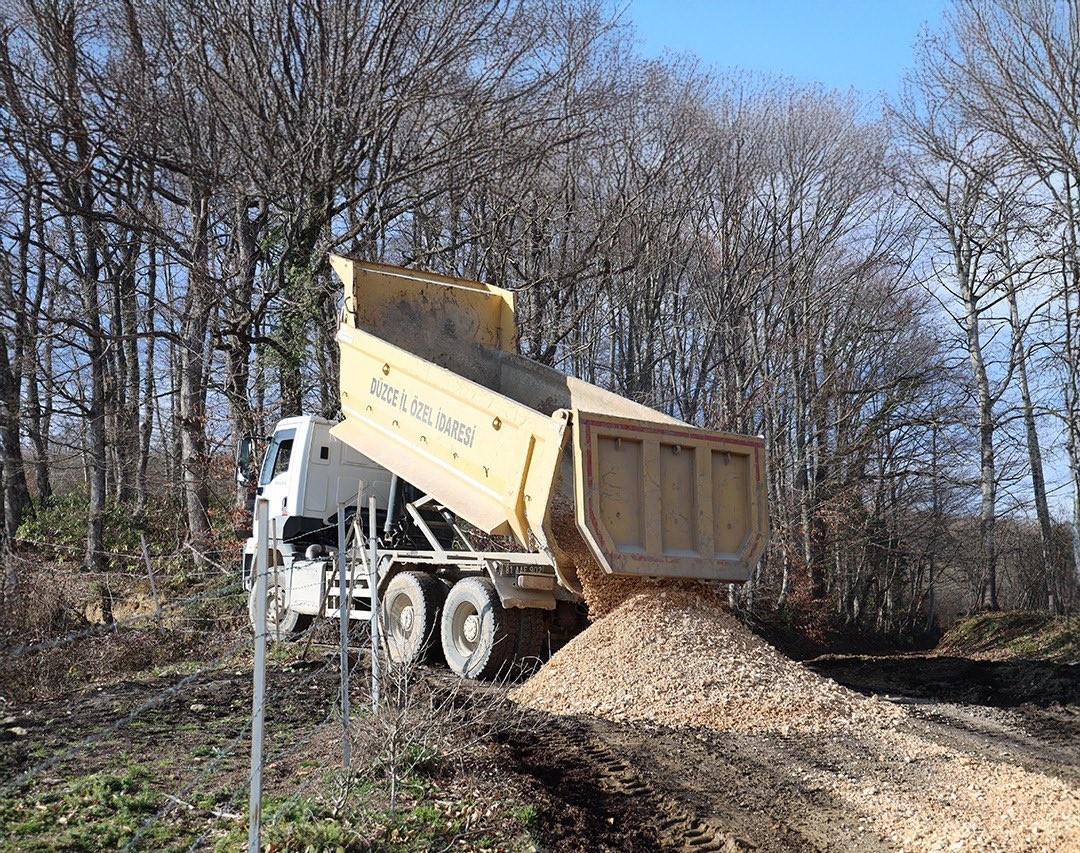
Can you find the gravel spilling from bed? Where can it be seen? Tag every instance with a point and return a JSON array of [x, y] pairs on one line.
[[672, 655]]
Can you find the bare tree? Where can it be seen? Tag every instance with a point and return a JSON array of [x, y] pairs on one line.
[[43, 68], [1012, 67]]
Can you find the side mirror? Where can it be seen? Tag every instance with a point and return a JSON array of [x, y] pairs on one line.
[[243, 460]]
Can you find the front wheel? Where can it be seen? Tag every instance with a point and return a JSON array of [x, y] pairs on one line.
[[282, 622], [480, 637]]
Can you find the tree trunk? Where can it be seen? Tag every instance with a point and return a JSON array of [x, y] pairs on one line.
[[237, 337], [1038, 481], [149, 392], [39, 369], [1071, 275], [987, 589], [1072, 396], [16, 494], [97, 460], [128, 379], [192, 402]]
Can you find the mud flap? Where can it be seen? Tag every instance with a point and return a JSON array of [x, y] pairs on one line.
[[505, 578]]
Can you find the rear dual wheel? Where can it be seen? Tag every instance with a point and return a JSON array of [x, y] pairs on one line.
[[483, 639], [410, 608], [479, 637]]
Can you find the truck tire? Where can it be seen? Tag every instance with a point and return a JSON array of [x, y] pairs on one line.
[[409, 617], [483, 639], [282, 622], [532, 644]]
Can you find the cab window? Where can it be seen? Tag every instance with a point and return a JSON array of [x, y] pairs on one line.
[[278, 455]]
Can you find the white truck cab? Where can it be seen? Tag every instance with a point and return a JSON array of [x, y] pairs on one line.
[[305, 474]]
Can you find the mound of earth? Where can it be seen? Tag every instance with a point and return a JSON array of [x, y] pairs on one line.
[[1014, 635], [672, 655]]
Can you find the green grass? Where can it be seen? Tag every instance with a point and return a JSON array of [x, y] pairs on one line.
[[1019, 634], [437, 807], [99, 812], [103, 811], [299, 824], [525, 815], [312, 825]]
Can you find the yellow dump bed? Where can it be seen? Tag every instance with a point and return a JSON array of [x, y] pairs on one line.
[[432, 389]]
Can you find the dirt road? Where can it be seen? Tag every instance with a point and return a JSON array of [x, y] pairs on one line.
[[653, 789], [600, 785]]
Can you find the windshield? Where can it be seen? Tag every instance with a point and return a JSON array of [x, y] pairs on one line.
[[277, 455]]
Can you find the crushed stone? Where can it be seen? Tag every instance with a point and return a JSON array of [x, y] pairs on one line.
[[671, 655]]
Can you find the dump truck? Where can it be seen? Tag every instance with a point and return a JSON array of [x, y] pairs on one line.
[[498, 481]]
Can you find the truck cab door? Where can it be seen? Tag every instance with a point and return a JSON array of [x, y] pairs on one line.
[[275, 478]]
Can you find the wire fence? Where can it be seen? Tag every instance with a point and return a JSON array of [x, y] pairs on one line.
[[281, 755], [237, 739], [220, 586], [213, 603], [156, 701], [235, 743], [131, 622], [169, 612]]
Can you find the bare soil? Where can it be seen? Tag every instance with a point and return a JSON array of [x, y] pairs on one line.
[[673, 789], [949, 678], [600, 785], [899, 774]]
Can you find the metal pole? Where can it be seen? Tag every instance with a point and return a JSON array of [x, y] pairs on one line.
[[391, 503], [343, 614], [373, 581], [258, 695]]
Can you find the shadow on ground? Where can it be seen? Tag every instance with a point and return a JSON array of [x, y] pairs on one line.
[[1001, 684]]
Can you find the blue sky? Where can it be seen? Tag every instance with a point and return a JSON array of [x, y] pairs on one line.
[[865, 44]]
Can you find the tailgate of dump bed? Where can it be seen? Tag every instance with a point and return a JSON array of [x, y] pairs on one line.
[[669, 501]]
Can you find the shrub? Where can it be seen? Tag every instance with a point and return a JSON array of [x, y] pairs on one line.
[[57, 527]]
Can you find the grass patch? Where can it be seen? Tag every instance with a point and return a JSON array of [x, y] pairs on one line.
[[104, 811], [1015, 634], [98, 812], [328, 822], [422, 775]]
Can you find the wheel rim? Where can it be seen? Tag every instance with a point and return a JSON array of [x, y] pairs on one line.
[[466, 627], [276, 607], [402, 619]]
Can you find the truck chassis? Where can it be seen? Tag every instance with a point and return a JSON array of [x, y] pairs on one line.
[[484, 612]]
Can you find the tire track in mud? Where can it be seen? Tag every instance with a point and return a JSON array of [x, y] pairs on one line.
[[585, 773], [675, 827], [1040, 740], [678, 790]]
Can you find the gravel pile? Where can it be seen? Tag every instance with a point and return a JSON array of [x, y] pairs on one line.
[[943, 799], [671, 655]]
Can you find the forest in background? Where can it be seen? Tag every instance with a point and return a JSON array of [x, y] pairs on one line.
[[889, 294]]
